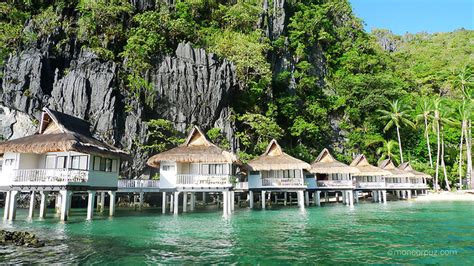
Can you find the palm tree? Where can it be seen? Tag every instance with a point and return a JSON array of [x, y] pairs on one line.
[[441, 117], [436, 118], [423, 111], [464, 81], [463, 114], [396, 115], [387, 150]]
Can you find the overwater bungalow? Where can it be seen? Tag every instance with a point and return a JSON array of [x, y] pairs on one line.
[[370, 178], [195, 166], [278, 172], [398, 180], [61, 159], [418, 181], [329, 175]]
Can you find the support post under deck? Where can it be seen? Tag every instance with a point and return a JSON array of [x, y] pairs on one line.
[[112, 203], [251, 199], [64, 208], [31, 211], [90, 204], [13, 202], [163, 203], [176, 203], [43, 203], [6, 210]]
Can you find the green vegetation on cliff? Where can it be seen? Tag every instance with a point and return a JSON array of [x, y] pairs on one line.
[[320, 81]]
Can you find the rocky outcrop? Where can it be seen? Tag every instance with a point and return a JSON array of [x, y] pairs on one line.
[[26, 81], [195, 88], [273, 19], [15, 124], [88, 90], [20, 239]]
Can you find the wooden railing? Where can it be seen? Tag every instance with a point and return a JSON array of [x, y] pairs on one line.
[[282, 182], [371, 184], [334, 183], [406, 185], [398, 185], [138, 183], [202, 180], [48, 176]]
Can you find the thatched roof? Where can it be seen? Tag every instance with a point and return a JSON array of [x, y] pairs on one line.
[[388, 165], [326, 164], [275, 159], [60, 133], [56, 122], [196, 149], [365, 168], [407, 167]]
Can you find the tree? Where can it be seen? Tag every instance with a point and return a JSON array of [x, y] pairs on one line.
[[464, 113], [464, 82], [161, 136], [442, 116], [397, 115], [423, 111], [387, 150], [259, 130]]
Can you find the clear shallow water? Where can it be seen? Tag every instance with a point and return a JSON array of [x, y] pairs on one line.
[[399, 232]]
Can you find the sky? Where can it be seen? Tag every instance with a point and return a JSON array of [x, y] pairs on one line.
[[401, 16]]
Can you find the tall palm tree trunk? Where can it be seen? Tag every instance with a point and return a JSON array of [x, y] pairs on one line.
[[428, 142], [438, 152], [460, 152], [446, 181], [400, 144], [468, 136]]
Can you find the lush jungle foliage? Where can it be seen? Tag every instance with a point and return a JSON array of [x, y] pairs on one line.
[[406, 97]]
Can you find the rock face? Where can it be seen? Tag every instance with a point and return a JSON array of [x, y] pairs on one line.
[[192, 88], [88, 90], [15, 124], [195, 88], [26, 81]]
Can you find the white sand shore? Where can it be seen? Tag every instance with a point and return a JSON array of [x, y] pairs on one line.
[[467, 195]]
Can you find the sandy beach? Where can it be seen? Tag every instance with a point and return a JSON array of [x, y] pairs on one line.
[[467, 195]]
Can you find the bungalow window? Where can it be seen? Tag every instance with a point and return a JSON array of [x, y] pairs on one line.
[[108, 165], [297, 173], [114, 165], [167, 167], [322, 177], [272, 174], [254, 172], [79, 162], [194, 168], [212, 169], [61, 162], [9, 162], [96, 165], [50, 162], [102, 164]]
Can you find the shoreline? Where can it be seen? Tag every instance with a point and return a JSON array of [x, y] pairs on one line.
[[467, 195]]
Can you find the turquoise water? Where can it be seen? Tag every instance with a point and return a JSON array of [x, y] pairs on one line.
[[398, 232]]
